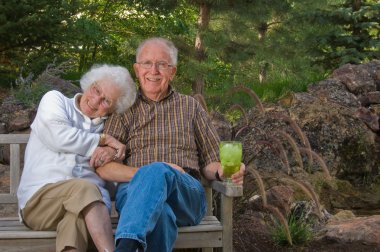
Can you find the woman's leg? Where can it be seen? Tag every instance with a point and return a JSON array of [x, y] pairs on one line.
[[99, 226], [59, 207]]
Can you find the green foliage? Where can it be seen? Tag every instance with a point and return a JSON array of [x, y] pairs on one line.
[[30, 95], [29, 90], [31, 27], [300, 231], [221, 98], [351, 35], [242, 38]]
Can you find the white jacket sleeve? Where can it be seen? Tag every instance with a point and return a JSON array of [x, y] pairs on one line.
[[55, 126]]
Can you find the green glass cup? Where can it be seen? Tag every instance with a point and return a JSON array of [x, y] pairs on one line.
[[230, 154]]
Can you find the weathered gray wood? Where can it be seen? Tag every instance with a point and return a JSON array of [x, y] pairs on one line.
[[15, 168], [210, 233], [28, 245], [199, 240], [230, 190], [226, 216], [14, 138]]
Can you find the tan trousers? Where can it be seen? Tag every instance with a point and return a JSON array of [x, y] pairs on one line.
[[58, 206]]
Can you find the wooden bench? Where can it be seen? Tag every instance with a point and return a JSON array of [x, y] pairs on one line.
[[211, 233]]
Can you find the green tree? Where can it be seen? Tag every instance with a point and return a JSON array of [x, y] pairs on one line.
[[352, 35], [31, 26]]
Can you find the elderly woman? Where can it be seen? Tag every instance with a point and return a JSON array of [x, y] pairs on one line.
[[59, 189]]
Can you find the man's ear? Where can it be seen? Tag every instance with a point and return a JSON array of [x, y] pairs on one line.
[[173, 71], [136, 68]]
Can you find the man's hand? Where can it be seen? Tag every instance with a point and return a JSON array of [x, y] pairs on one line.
[[238, 177], [177, 167], [210, 170]]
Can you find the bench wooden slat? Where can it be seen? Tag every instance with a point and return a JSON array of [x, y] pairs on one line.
[[7, 226], [8, 198], [28, 245], [202, 239], [14, 138], [27, 234]]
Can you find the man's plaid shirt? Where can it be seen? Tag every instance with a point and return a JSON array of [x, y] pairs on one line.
[[175, 129]]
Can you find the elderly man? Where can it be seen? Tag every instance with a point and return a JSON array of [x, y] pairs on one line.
[[170, 142]]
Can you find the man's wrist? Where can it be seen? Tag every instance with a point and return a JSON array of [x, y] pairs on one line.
[[217, 177]]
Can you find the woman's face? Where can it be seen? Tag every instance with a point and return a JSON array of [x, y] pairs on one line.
[[99, 99]]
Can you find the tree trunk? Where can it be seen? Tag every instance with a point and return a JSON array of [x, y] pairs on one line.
[[203, 21], [356, 30], [356, 5], [262, 28]]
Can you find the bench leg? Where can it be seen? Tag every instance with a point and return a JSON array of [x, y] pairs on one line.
[[226, 216]]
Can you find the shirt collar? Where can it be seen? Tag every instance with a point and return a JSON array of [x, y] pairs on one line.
[[168, 95]]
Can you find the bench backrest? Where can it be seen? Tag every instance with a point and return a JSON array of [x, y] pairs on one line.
[[15, 156]]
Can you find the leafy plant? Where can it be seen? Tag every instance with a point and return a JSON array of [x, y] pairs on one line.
[[29, 91], [30, 95], [300, 230]]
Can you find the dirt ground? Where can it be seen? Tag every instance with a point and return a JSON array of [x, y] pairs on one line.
[[251, 236]]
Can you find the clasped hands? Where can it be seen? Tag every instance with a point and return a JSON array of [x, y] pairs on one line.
[[112, 151]]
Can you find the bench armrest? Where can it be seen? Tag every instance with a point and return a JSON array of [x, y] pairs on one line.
[[229, 190]]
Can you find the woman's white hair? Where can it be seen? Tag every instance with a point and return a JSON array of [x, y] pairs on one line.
[[118, 76], [173, 51]]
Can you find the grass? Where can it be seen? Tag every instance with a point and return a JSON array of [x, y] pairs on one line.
[[222, 97], [300, 231]]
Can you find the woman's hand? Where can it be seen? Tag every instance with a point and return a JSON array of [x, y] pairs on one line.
[[102, 156], [116, 145]]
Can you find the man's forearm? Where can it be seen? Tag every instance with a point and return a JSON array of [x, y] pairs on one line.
[[116, 172]]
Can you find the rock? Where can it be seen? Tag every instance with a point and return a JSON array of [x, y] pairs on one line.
[[356, 78], [373, 68], [3, 128], [222, 125], [360, 229], [21, 120], [342, 215], [369, 118], [281, 197], [370, 98], [375, 109], [335, 91]]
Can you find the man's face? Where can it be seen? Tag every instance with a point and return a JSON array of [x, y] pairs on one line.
[[154, 70]]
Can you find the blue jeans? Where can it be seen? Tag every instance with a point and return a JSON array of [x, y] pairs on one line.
[[157, 201]]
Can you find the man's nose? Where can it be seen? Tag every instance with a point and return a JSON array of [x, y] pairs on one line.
[[154, 68]]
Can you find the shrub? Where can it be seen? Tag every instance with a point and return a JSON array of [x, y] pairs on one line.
[[300, 231]]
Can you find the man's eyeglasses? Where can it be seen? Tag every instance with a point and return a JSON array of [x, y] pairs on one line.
[[161, 65]]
